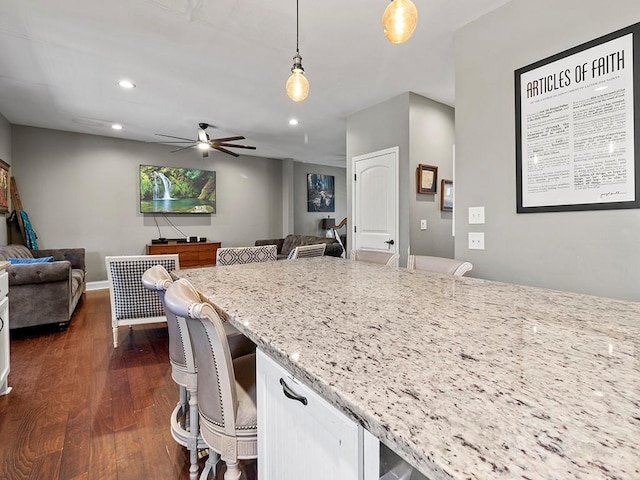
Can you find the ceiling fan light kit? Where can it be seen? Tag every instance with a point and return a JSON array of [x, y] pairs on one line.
[[399, 20], [204, 143], [297, 84]]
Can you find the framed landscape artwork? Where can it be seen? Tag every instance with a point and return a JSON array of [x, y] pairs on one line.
[[320, 193], [4, 187]]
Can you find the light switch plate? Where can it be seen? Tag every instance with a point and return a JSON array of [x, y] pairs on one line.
[[476, 240], [476, 215], [423, 224]]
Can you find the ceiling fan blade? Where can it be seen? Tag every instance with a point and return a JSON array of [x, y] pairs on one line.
[[205, 153], [183, 148], [171, 136], [227, 139], [224, 150], [236, 146]]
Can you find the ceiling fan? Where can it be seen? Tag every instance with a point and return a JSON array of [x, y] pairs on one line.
[[204, 143]]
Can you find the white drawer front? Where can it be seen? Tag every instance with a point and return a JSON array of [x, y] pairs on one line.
[[306, 438]]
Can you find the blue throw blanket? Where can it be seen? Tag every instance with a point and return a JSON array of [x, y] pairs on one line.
[[29, 232]]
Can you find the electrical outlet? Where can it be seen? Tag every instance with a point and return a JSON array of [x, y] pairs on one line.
[[476, 240], [423, 224], [476, 215]]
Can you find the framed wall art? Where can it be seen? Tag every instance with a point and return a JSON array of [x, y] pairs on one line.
[[320, 193], [577, 130], [446, 195], [427, 179], [4, 187]]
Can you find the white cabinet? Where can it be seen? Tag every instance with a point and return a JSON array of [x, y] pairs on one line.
[[4, 332], [300, 435]]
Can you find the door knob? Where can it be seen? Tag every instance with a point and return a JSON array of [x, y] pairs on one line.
[[390, 242]]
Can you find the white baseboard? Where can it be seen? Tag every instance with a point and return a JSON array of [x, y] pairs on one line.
[[98, 285]]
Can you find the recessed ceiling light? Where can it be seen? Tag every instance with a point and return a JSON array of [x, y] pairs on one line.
[[293, 121], [116, 126], [126, 84]]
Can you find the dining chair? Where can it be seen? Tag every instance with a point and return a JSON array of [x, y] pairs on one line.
[[184, 418], [239, 255], [449, 266], [305, 251], [383, 258], [131, 303], [226, 386]]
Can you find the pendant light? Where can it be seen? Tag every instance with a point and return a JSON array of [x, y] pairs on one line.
[[399, 20], [297, 85]]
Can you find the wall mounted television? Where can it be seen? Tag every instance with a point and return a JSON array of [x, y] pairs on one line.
[[177, 190]]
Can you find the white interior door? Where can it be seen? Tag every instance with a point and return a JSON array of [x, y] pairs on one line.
[[375, 201]]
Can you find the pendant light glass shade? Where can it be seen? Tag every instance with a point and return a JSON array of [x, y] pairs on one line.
[[399, 20], [297, 84]]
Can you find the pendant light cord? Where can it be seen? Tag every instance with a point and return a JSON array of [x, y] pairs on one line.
[[297, 27]]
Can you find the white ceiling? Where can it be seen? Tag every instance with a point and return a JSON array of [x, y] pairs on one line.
[[220, 62]]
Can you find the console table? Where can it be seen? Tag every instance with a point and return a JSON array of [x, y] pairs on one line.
[[463, 378], [194, 254]]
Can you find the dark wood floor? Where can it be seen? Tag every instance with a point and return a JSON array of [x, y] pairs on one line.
[[81, 409]]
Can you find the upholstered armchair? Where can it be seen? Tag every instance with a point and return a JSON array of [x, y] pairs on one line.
[[44, 293]]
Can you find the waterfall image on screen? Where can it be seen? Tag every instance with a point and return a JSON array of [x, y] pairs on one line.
[[177, 190]]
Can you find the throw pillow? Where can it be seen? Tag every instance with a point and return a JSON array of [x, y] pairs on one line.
[[16, 261]]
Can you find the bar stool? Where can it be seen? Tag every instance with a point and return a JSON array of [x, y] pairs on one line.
[[184, 421], [227, 400], [450, 266], [383, 258]]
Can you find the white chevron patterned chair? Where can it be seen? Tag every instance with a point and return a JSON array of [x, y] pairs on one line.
[[239, 255]]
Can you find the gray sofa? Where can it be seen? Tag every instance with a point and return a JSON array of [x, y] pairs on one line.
[[285, 245], [44, 293]]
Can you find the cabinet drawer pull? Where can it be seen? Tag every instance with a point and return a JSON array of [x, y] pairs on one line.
[[291, 394], [1, 324]]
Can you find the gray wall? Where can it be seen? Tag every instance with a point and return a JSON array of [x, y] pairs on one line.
[[431, 130], [308, 223], [82, 191], [5, 154], [593, 252], [376, 128], [424, 132]]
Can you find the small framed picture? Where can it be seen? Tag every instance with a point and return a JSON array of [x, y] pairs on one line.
[[446, 195], [427, 179], [4, 187]]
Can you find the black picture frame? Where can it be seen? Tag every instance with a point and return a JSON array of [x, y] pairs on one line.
[[565, 82]]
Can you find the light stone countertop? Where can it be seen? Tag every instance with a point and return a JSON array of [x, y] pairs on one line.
[[463, 378]]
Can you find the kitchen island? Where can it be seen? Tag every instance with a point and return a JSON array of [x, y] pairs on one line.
[[463, 378]]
